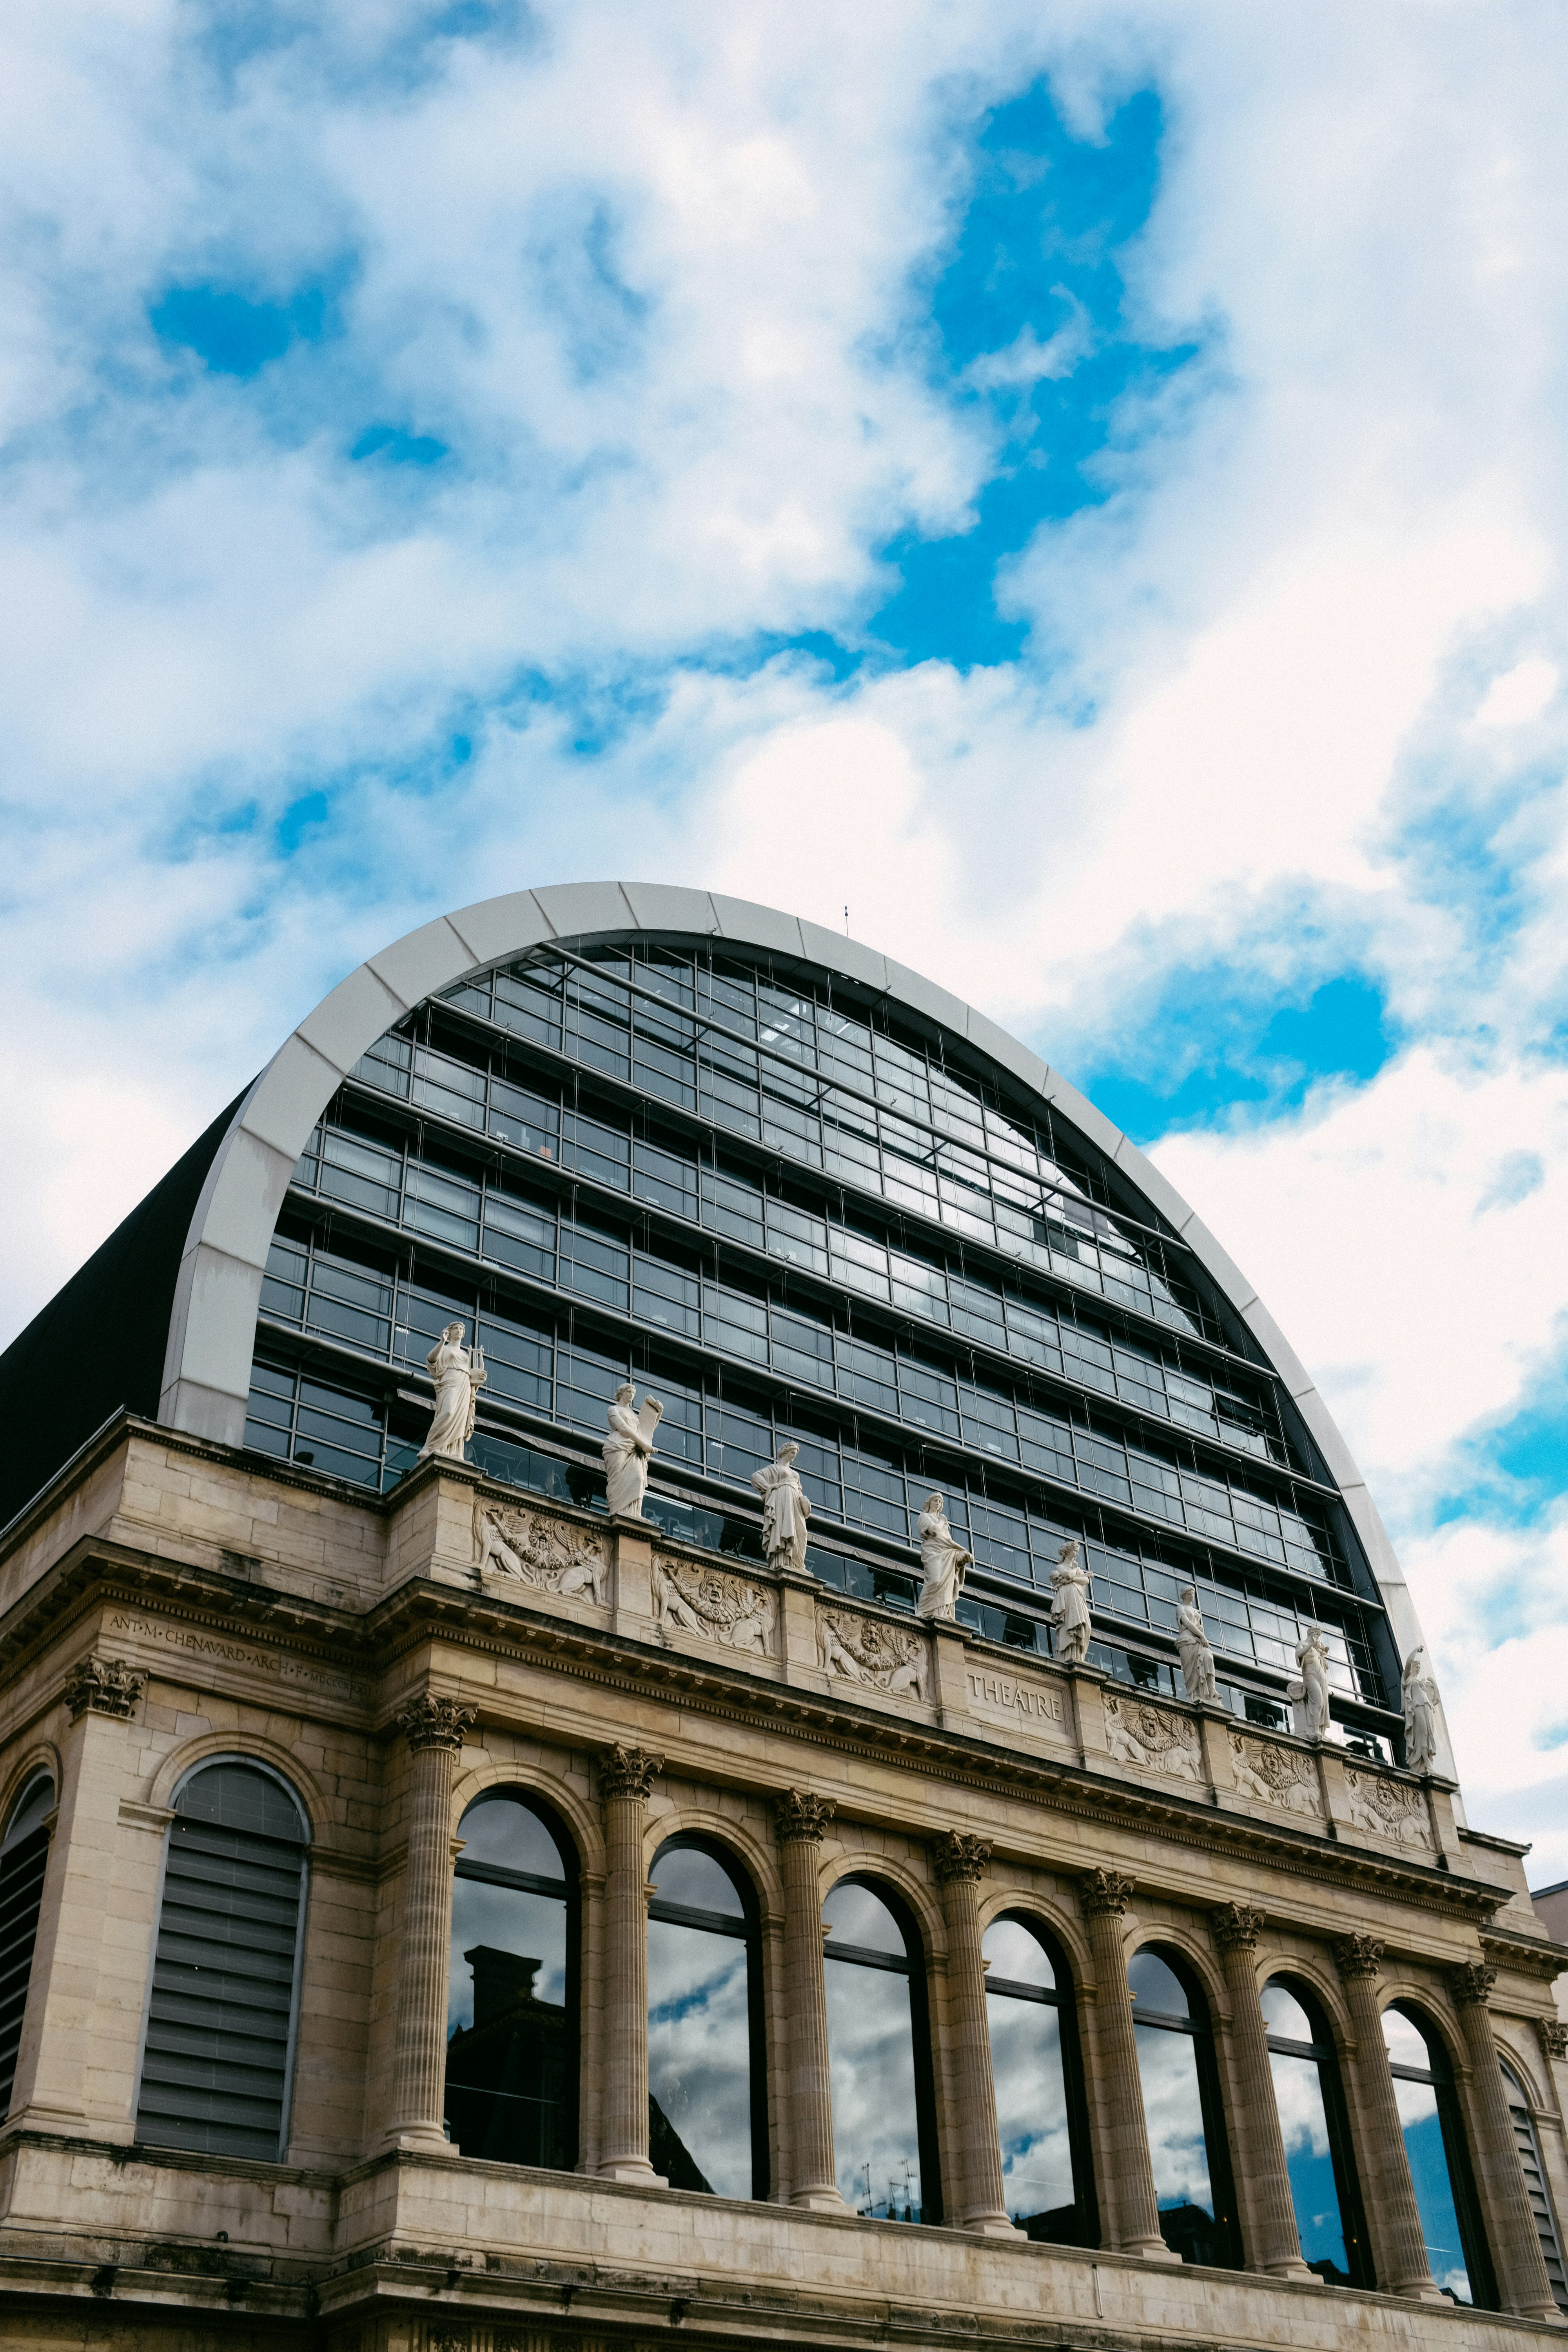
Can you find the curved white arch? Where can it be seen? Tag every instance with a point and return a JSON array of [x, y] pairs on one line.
[[211, 1331]]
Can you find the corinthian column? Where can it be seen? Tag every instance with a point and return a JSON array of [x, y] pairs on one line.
[[1522, 2271], [1390, 2197], [1274, 2241], [434, 1728], [626, 1777], [1132, 2209], [808, 2098], [982, 2200]]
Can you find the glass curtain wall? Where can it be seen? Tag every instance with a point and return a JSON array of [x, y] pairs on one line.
[[707, 2117], [1439, 2165], [1534, 2173], [511, 2012], [24, 1857], [878, 2057], [1181, 2103], [1317, 2142], [1040, 2118]]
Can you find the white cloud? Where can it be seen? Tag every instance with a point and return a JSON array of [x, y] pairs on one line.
[[1521, 693]]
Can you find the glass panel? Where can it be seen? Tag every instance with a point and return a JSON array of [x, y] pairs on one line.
[[509, 2045], [1422, 2125], [1168, 2070], [1304, 2127], [1031, 2089], [36, 1799], [858, 1917], [1407, 2043], [686, 1874], [500, 1831], [871, 2061], [1013, 1953], [1283, 2014], [1155, 1986], [698, 2051]]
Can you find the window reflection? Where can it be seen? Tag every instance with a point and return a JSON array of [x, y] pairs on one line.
[[1435, 2149], [1034, 2062], [706, 2126], [1312, 2125], [511, 2022], [1180, 2104], [877, 2057]]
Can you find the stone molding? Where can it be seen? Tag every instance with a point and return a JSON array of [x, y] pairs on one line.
[[106, 1686], [629, 1772], [1154, 1738], [1470, 1984], [801, 1818], [1104, 1894], [873, 1652], [538, 1550], [1237, 1926], [958, 1855], [431, 1722], [736, 1611], [1356, 1956]]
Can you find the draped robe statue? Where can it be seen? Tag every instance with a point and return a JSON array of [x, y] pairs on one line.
[[784, 1511], [1313, 1657], [1069, 1608], [627, 1451], [459, 1377], [1419, 1694], [942, 1563], [1193, 1648]]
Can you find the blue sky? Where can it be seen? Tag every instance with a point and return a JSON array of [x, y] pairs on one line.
[[1086, 492]]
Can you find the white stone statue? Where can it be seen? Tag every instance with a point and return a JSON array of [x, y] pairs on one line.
[[1419, 1693], [1313, 1657], [1069, 1608], [627, 1451], [784, 1511], [459, 1377], [944, 1563], [1192, 1647]]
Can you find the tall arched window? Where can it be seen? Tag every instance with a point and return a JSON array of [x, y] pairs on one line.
[[1182, 2105], [706, 2112], [879, 2048], [24, 1857], [1317, 2141], [1439, 2165], [219, 2049], [512, 2003], [1535, 2184], [1040, 2116]]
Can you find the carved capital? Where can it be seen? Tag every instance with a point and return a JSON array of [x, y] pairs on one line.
[[1356, 1956], [1553, 2037], [801, 1818], [959, 1856], [1236, 1926], [106, 1685], [1470, 1984], [431, 1722], [1104, 1894], [629, 1772]]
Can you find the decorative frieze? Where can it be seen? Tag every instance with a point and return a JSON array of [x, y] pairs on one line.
[[733, 1611], [1154, 1739], [531, 1548], [872, 1654], [106, 1686], [957, 1855], [431, 1722], [1272, 1774], [1387, 1808], [800, 1818]]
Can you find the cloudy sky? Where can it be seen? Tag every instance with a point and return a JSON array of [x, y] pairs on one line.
[[1079, 485]]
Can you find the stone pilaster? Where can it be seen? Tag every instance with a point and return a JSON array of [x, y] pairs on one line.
[[434, 1728], [1390, 2192], [1522, 2282], [625, 1778], [1273, 2241], [801, 1818], [1132, 2210], [981, 2199]]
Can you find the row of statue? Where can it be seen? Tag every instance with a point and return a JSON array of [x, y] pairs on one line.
[[458, 1374]]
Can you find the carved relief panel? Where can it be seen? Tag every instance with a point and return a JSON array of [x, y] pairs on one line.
[[733, 1611], [551, 1555], [1153, 1738], [1272, 1774], [1387, 1808], [872, 1656]]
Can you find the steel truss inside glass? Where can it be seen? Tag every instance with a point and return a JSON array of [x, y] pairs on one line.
[[795, 1213]]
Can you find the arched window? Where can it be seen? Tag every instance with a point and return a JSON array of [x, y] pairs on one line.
[[23, 1856], [1040, 2115], [878, 2049], [1182, 2105], [219, 2046], [1435, 2146], [512, 2004], [1316, 2140], [707, 2112], [1535, 2184]]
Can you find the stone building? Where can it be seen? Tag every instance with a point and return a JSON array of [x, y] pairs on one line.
[[436, 1911]]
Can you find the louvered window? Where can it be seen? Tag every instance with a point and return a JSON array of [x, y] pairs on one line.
[[214, 2075], [24, 1856], [1535, 2184]]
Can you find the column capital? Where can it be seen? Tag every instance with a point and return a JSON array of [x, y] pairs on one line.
[[106, 1685], [1236, 1926], [1470, 1984], [629, 1772], [1356, 1956], [1553, 2036], [1104, 1893], [801, 1818], [431, 1722], [958, 1855]]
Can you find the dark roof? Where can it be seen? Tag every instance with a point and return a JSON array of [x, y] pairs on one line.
[[101, 1342]]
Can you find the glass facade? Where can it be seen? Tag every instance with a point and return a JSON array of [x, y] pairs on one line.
[[1182, 2109], [511, 2015], [706, 2124], [1439, 2163], [1312, 2126], [796, 1215], [1040, 2119], [878, 2057]]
